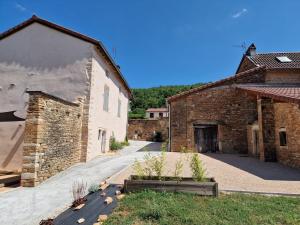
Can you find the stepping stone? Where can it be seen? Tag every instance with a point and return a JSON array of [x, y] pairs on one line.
[[103, 194], [79, 206], [118, 192], [108, 200], [103, 187], [102, 218], [121, 196], [102, 183], [81, 220]]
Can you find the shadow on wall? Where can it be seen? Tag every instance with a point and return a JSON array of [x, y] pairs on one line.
[[11, 148], [264, 170]]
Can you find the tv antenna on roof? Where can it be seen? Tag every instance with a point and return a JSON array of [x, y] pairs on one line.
[[242, 46], [114, 53]]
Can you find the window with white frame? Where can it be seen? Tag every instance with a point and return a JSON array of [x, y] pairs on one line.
[[119, 107], [106, 98]]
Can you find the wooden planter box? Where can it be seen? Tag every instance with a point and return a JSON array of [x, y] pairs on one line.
[[187, 185]]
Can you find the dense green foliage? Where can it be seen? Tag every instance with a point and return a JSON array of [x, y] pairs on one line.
[[177, 209], [144, 98], [116, 145]]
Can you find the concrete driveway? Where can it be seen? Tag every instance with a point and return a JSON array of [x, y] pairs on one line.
[[247, 174], [27, 206]]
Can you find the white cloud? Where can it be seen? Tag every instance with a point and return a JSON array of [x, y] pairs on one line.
[[20, 7], [239, 14]]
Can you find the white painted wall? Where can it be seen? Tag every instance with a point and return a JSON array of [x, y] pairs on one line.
[[156, 115], [42, 59], [100, 119]]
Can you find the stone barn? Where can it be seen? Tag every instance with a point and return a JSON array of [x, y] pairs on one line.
[[255, 111]]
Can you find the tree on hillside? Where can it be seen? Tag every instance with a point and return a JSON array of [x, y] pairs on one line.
[[144, 98]]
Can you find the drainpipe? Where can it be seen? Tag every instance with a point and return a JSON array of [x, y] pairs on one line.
[[169, 112]]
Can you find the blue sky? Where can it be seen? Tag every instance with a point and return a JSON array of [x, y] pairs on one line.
[[166, 42]]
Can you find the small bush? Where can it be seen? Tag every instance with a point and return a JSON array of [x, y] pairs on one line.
[[158, 164], [138, 169], [178, 169], [197, 168], [93, 188], [125, 142], [78, 191], [115, 145]]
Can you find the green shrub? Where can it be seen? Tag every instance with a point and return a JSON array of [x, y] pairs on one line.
[[115, 145], [136, 116], [138, 169], [93, 188], [178, 169], [197, 168], [158, 164], [125, 142]]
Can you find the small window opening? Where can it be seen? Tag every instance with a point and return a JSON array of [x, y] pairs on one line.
[[151, 115], [282, 138]]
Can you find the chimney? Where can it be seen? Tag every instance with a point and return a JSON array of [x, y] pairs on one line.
[[251, 51]]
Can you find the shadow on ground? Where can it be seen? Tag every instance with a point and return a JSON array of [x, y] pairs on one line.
[[152, 147], [264, 170]]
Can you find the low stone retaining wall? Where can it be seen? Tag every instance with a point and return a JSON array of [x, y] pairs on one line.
[[145, 129], [52, 139]]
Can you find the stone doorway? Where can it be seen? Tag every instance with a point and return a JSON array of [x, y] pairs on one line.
[[206, 138]]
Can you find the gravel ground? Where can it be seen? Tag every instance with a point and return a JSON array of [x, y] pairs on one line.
[[236, 173]]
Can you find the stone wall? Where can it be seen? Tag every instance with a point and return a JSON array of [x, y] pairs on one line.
[[286, 77], [287, 115], [232, 110], [144, 129], [52, 139], [266, 123]]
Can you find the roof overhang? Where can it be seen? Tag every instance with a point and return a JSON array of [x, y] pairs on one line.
[[217, 83], [280, 93]]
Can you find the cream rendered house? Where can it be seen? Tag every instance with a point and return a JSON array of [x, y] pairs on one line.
[[38, 55]]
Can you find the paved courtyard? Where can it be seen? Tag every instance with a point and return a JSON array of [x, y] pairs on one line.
[[239, 173], [236, 173], [27, 206]]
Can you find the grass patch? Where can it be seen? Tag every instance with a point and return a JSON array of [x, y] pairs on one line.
[[153, 208]]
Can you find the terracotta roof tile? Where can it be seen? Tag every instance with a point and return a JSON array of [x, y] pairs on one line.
[[289, 93], [217, 83], [157, 110], [269, 60]]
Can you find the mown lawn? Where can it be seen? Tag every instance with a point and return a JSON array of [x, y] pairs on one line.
[[171, 209]]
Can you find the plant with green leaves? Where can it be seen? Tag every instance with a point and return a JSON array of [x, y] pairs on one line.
[[114, 144], [138, 169], [148, 159], [158, 164], [93, 188], [178, 169], [197, 168]]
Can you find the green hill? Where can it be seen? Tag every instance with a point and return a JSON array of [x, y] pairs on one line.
[[144, 98]]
